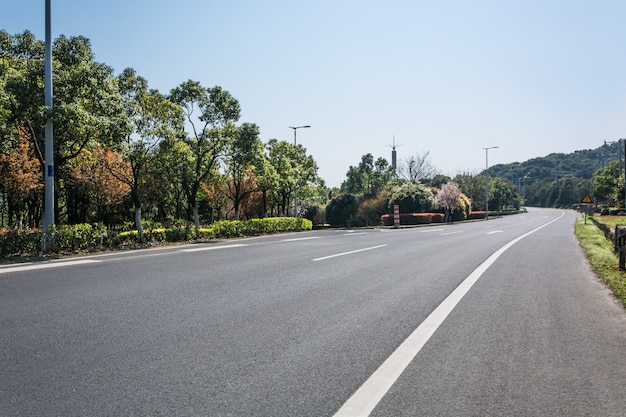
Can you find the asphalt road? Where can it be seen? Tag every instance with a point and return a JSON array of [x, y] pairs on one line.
[[497, 318]]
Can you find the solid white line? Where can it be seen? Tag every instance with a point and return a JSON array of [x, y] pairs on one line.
[[46, 265], [431, 230], [348, 253], [365, 399], [451, 233], [237, 245], [354, 234]]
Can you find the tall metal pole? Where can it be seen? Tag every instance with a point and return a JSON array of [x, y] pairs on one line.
[[48, 214], [487, 180], [295, 194]]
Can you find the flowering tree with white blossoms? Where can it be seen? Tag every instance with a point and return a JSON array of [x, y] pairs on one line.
[[448, 199]]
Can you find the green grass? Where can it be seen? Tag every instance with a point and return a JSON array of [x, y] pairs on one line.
[[601, 255], [611, 220]]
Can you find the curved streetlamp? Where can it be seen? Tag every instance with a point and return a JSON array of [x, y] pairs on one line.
[[295, 194], [487, 180], [294, 131]]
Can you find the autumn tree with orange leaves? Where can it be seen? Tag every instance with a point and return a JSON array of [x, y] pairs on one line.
[[20, 178]]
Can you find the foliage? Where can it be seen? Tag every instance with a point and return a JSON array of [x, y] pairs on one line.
[[412, 197], [242, 155], [15, 242], [90, 237], [341, 210], [413, 218], [216, 111], [371, 209], [607, 183], [447, 198], [316, 213], [20, 175], [293, 171], [369, 177]]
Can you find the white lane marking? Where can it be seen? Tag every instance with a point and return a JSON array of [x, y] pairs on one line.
[[46, 265], [451, 233], [494, 231], [348, 253], [301, 238], [365, 399], [237, 245], [354, 234], [431, 230]]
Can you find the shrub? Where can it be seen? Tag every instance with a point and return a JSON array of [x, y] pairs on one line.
[[341, 210], [14, 242], [412, 218], [77, 237], [412, 197]]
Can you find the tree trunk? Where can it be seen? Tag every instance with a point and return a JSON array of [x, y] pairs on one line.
[[138, 224], [196, 217]]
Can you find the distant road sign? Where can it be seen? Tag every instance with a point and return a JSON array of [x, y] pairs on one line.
[[586, 199]]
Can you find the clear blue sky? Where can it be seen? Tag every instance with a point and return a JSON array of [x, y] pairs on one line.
[[450, 78]]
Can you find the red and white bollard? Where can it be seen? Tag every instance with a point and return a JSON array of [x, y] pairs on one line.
[[396, 216]]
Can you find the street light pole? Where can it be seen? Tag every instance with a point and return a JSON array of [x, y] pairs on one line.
[[295, 142], [487, 180], [48, 212]]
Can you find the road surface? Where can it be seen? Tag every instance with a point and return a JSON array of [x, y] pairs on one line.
[[491, 318]]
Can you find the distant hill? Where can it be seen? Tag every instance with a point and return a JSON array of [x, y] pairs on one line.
[[558, 179]]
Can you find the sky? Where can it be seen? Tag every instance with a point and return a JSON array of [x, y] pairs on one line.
[[447, 78]]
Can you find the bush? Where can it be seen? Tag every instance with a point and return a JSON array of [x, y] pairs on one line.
[[14, 242], [413, 218], [477, 214], [341, 210], [315, 213], [412, 197]]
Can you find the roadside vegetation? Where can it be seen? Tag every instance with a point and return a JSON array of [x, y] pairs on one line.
[[601, 252]]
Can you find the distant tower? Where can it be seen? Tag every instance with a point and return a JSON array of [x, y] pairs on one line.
[[394, 163]]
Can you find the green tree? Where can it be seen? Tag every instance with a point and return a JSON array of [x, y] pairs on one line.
[[369, 177], [295, 170], [242, 155], [87, 103], [607, 182], [210, 114], [153, 119]]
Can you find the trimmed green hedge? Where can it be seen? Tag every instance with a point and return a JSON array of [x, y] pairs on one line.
[[87, 237]]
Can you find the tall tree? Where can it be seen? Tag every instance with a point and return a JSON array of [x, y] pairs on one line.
[[242, 155], [20, 177], [418, 168], [294, 168], [210, 114], [153, 119], [87, 104], [369, 177]]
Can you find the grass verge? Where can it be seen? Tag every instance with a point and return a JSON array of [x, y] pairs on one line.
[[602, 257]]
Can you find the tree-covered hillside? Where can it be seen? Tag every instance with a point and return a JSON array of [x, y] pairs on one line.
[[557, 179]]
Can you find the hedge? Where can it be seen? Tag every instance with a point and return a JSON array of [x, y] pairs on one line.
[[413, 218], [87, 237]]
